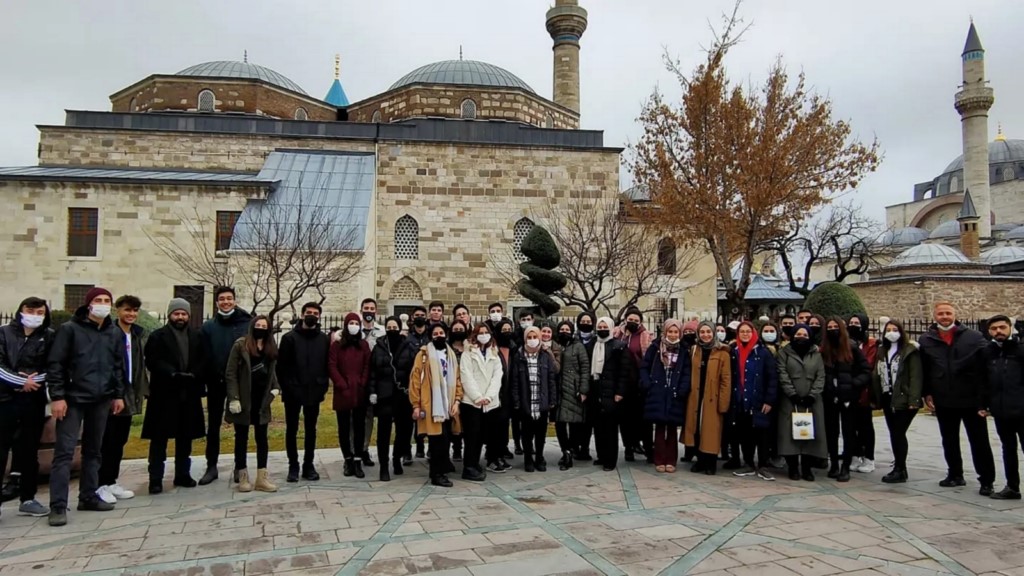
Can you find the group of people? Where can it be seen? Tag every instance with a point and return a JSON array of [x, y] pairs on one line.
[[758, 395]]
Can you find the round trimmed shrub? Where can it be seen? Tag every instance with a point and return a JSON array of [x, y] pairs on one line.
[[834, 299]]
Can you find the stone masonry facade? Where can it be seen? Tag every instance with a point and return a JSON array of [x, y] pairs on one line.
[[915, 296]]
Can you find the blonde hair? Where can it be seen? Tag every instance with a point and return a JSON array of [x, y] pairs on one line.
[[943, 303]]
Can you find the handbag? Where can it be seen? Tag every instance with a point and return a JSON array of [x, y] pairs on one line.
[[803, 426]]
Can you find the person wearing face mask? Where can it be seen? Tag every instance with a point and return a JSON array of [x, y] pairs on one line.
[[896, 386], [816, 324], [787, 325], [302, 375], [801, 383], [174, 410], [534, 395], [689, 340], [769, 337], [730, 331], [435, 391], [1004, 398], [754, 391], [847, 374], [955, 369], [604, 389], [637, 434], [386, 394], [525, 321], [495, 314], [85, 379], [665, 379], [722, 333], [708, 401], [457, 335], [24, 346], [481, 373], [498, 424], [863, 419], [576, 370], [569, 410], [218, 335], [418, 337], [349, 366], [371, 332]]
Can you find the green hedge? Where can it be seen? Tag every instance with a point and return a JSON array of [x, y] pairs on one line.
[[834, 299]]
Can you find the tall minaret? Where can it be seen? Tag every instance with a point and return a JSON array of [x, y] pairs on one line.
[[973, 102], [566, 23]]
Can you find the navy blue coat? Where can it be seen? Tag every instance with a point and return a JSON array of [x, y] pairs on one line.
[[760, 387], [665, 400]]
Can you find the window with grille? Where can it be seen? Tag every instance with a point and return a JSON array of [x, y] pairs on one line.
[[666, 257], [519, 232], [468, 108], [207, 101], [83, 230], [226, 221], [407, 238], [1008, 174], [376, 117], [300, 114], [74, 295]]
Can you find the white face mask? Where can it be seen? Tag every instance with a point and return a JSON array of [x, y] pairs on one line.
[[353, 329], [947, 328], [532, 343], [526, 324], [721, 336], [226, 314], [495, 316], [769, 337], [32, 321], [893, 337], [100, 310], [483, 338], [671, 341]]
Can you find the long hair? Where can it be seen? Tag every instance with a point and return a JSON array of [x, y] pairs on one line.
[[904, 339], [840, 352], [482, 328], [269, 344]]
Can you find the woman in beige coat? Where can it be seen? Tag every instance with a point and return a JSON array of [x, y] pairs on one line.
[[710, 392], [435, 391]]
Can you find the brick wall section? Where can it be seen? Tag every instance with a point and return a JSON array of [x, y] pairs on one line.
[[974, 297]]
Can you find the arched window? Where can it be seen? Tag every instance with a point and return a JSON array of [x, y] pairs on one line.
[[376, 117], [954, 184], [1008, 174], [207, 101], [666, 257], [301, 114], [549, 120], [407, 238], [468, 109], [519, 232], [133, 105]]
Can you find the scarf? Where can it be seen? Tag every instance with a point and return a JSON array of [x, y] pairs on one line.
[[181, 339], [597, 362], [714, 338], [744, 352], [441, 366], [669, 352]]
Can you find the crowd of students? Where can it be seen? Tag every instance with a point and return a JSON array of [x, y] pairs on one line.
[[758, 395]]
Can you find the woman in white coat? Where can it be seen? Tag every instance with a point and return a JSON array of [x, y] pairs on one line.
[[481, 387]]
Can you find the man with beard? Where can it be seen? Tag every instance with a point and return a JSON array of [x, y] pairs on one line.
[[302, 375], [1005, 399]]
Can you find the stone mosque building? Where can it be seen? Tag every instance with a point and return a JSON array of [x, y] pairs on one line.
[[435, 175]]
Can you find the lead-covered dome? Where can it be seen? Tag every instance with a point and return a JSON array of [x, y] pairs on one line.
[[463, 73], [235, 69], [928, 254], [908, 236], [1002, 255], [1005, 158], [948, 229]]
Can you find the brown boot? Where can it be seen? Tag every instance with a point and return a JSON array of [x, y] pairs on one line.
[[243, 481], [263, 481]]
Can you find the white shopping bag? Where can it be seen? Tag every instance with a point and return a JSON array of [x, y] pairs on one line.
[[803, 426]]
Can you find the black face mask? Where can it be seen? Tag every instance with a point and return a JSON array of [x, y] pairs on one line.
[[394, 338], [504, 339], [833, 337], [309, 320], [564, 338], [604, 333], [816, 333], [788, 331], [260, 333], [419, 322], [856, 333], [586, 328], [369, 317], [690, 339], [632, 326], [440, 342], [459, 336], [801, 345]]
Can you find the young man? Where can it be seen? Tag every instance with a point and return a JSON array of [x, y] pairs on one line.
[[1004, 399], [435, 313], [418, 337], [24, 346], [953, 361], [788, 325], [119, 427], [85, 376], [218, 335], [371, 332], [495, 314], [525, 321], [302, 375], [804, 316]]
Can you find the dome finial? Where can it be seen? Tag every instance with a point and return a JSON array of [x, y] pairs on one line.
[[460, 51], [1000, 137], [337, 66], [245, 56]]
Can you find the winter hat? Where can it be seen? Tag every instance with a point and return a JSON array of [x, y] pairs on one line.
[[178, 304], [97, 291], [690, 326], [353, 316]]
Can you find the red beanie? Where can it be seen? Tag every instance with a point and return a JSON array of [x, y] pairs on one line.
[[97, 291]]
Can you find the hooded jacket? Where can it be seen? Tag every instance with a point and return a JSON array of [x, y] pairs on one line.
[[24, 354], [954, 375], [302, 365], [218, 335], [86, 362]]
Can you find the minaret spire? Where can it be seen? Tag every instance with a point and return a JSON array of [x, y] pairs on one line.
[[566, 23]]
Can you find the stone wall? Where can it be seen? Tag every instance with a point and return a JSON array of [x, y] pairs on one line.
[[1007, 205], [915, 296]]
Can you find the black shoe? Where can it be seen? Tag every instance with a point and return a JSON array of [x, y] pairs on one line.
[[407, 460], [457, 455], [58, 516], [528, 464], [820, 463], [608, 468], [367, 461], [629, 457], [566, 462], [397, 465], [309, 473], [357, 469], [833, 470], [897, 476], [473, 475], [986, 490], [732, 464], [508, 454], [794, 474], [385, 476], [1006, 494], [348, 469], [11, 489], [210, 476], [505, 466], [711, 470], [541, 464], [844, 473], [183, 482], [519, 450], [597, 462], [293, 473], [952, 482], [419, 454], [94, 504], [441, 481], [584, 457], [156, 486], [697, 467], [808, 475]]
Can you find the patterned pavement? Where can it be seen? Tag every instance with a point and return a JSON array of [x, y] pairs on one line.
[[584, 521]]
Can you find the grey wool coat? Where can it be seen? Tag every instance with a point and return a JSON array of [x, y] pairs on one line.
[[238, 375], [801, 377], [575, 364]]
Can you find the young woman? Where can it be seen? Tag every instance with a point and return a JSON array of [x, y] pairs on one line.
[[386, 395], [457, 334], [636, 432], [534, 394], [569, 413], [481, 373], [710, 384], [251, 387], [504, 333], [435, 390], [801, 383], [665, 381], [896, 386], [605, 387], [864, 453], [549, 344], [846, 374], [348, 364], [754, 389], [770, 338], [817, 324]]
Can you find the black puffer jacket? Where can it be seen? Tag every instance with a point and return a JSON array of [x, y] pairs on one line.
[[302, 366], [1005, 391], [218, 335], [407, 356], [954, 376], [613, 381], [86, 362], [844, 382], [24, 354], [384, 377]]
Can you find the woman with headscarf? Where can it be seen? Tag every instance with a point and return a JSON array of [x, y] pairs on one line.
[[435, 391], [534, 394], [576, 369], [569, 412], [689, 341], [605, 387], [754, 389], [636, 431], [665, 379], [710, 384], [801, 383]]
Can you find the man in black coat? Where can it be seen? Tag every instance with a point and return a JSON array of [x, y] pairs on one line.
[[218, 335], [302, 374], [1005, 399], [954, 366], [174, 357], [418, 337]]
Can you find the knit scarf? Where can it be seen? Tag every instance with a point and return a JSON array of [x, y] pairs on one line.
[[597, 363], [744, 352], [441, 393]]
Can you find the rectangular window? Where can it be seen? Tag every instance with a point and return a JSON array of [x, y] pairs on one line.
[[83, 230], [74, 295], [225, 228]]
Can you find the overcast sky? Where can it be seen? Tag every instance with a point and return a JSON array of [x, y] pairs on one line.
[[890, 66]]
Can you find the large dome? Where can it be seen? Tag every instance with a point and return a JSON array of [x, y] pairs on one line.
[[1003, 254], [908, 236], [463, 73], [1001, 152], [925, 254], [233, 69]]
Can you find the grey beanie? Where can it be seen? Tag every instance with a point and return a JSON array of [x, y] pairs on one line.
[[179, 304]]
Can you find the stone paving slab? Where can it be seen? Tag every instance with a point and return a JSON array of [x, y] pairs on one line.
[[583, 521]]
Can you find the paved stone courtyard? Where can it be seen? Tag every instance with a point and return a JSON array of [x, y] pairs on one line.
[[633, 521]]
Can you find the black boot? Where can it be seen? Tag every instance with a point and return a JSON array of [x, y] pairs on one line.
[[397, 465], [528, 462], [309, 472], [519, 448], [156, 485], [348, 469], [566, 462], [897, 476], [541, 464], [833, 470], [385, 476], [844, 472], [629, 457], [210, 475], [293, 472], [357, 468], [367, 461], [419, 448], [808, 473]]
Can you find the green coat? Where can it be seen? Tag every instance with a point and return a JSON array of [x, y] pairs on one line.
[[801, 377], [238, 375], [575, 371], [906, 390]]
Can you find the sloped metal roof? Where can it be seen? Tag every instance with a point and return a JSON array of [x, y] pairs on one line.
[[760, 290], [336, 95], [1002, 255], [947, 229], [908, 236], [126, 174]]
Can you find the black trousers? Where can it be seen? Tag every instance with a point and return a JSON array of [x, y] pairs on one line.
[[751, 440], [898, 422], [864, 423], [581, 434], [606, 439], [350, 436], [384, 423], [563, 432], [242, 445], [517, 428], [977, 435], [840, 420], [440, 451], [496, 433], [114, 438], [637, 434], [291, 431], [21, 425], [215, 398], [472, 435], [404, 425], [1011, 431], [91, 419], [182, 458], [535, 433]]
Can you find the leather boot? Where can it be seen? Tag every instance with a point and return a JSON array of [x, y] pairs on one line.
[[293, 472], [357, 468], [844, 472], [566, 462], [397, 465], [209, 476], [833, 470], [263, 483], [385, 476], [243, 481], [348, 468]]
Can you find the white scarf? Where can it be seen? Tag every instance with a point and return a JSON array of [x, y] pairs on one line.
[[440, 396], [889, 368], [597, 363]]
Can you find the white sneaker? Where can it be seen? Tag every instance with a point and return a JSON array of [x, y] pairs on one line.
[[855, 463], [103, 493], [120, 492], [866, 466]]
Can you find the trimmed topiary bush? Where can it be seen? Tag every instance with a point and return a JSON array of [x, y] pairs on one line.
[[541, 278], [834, 299], [58, 317], [148, 321]]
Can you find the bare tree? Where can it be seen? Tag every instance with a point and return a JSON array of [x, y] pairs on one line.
[[195, 258]]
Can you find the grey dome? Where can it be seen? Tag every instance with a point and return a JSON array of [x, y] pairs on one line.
[[925, 254], [463, 73], [1005, 226], [233, 69], [947, 229], [1003, 254], [909, 236], [1015, 234], [1001, 152]]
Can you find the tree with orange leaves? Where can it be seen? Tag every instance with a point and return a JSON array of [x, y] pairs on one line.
[[734, 166]]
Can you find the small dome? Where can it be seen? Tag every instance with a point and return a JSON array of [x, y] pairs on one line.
[[463, 73], [1015, 234], [947, 229], [909, 236], [1003, 254], [1005, 226], [234, 69], [925, 254]]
